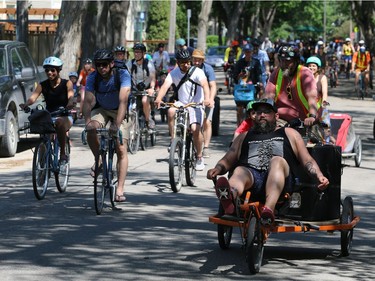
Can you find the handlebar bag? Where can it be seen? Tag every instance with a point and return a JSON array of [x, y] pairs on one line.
[[41, 122], [244, 93]]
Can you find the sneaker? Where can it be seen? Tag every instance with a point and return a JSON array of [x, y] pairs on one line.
[[225, 196], [199, 165], [267, 217], [62, 163], [151, 124], [206, 153]]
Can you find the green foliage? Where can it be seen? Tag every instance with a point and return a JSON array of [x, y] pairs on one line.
[[212, 40], [158, 20]]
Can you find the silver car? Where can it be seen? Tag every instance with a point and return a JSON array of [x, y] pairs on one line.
[[215, 56]]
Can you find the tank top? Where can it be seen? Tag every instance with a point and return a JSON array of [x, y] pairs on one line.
[[55, 97], [258, 149], [347, 49]]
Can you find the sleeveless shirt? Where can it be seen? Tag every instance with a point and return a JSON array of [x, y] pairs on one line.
[[258, 149], [55, 97]]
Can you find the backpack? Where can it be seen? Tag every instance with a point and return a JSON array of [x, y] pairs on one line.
[[184, 79], [144, 67]]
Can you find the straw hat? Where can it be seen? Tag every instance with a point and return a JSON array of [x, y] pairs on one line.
[[199, 54]]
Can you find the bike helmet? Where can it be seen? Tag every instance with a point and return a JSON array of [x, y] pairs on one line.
[[103, 54], [180, 42], [120, 49], [348, 40], [161, 45], [73, 74], [139, 46], [315, 60], [248, 47], [289, 52], [183, 55], [361, 42], [88, 61], [320, 43], [235, 43], [53, 61]]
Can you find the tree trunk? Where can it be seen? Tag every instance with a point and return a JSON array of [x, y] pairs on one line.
[[203, 23], [22, 22], [67, 44], [363, 13], [118, 13], [232, 10]]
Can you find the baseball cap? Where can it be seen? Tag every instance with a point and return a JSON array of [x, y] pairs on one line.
[[199, 54], [180, 42], [248, 47], [269, 102]]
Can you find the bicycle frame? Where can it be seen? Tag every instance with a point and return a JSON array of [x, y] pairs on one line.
[[181, 128]]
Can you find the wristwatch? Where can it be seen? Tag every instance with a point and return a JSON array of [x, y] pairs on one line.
[[312, 115]]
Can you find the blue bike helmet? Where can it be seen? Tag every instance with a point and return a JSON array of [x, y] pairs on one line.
[[315, 60], [73, 74]]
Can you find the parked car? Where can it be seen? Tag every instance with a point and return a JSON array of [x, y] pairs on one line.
[[19, 76], [215, 56]]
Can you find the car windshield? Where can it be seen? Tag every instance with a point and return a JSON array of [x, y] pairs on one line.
[[3, 62], [215, 51]]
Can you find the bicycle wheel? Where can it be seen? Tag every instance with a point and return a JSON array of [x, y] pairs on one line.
[[346, 218], [40, 170], [100, 183], [224, 232], [175, 164], [143, 133], [134, 139], [153, 138], [190, 160], [62, 175], [254, 245], [112, 176]]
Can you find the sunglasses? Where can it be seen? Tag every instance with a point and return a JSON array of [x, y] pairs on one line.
[[183, 62], [53, 70], [101, 64], [289, 92]]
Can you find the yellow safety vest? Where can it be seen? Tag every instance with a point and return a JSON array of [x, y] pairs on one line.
[[301, 97]]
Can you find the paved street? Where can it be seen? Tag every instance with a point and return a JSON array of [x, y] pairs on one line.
[[159, 234]]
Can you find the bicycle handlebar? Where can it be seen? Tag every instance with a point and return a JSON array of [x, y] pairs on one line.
[[172, 104]]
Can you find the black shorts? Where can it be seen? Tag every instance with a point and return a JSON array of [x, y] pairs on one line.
[[260, 179]]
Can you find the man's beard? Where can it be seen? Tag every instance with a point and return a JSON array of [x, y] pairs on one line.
[[264, 127]]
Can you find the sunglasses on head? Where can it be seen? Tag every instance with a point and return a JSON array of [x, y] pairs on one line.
[[101, 64], [50, 70]]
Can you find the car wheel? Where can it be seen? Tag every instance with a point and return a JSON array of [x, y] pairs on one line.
[[8, 143]]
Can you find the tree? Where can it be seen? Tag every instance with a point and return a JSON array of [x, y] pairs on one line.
[[203, 23], [22, 22], [85, 26], [232, 9]]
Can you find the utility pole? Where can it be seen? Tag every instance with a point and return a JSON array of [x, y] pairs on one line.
[[188, 27], [172, 26], [22, 25]]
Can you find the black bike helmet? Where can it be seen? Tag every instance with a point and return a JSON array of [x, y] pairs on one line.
[[120, 49], [139, 46], [88, 61], [289, 53], [103, 54], [183, 55]]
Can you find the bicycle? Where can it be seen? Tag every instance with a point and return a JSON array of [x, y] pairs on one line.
[[47, 151], [182, 154], [145, 134], [105, 176], [228, 70], [134, 131], [361, 85]]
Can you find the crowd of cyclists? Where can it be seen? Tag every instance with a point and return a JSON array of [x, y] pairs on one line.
[[107, 80]]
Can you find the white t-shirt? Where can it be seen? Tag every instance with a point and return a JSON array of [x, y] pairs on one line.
[[187, 89]]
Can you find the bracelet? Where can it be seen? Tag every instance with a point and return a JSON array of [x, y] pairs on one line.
[[312, 115]]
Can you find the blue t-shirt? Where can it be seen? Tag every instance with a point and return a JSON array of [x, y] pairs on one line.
[[107, 94], [209, 72], [262, 57]]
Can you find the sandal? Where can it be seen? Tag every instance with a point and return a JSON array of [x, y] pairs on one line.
[[92, 170], [225, 196], [120, 198]]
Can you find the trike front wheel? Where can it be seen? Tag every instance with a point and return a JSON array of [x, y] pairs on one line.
[[254, 245], [175, 164], [40, 170], [224, 232]]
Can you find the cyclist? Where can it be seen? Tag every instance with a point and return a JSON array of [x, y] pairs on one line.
[[81, 83], [262, 56], [348, 51], [198, 60], [360, 44], [57, 93], [361, 63], [181, 45], [143, 78], [121, 56], [107, 92], [161, 59], [232, 54], [293, 88], [192, 86]]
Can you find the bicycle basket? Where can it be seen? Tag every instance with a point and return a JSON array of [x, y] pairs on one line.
[[41, 122]]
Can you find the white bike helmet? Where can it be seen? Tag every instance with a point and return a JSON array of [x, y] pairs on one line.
[[53, 61], [348, 40], [361, 42]]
